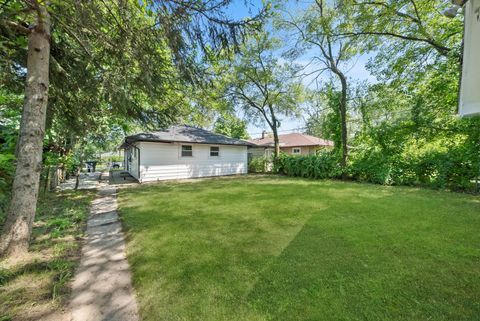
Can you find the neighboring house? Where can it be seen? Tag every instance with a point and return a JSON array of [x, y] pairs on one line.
[[183, 152], [294, 144]]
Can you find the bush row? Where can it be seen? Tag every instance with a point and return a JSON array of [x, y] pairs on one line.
[[455, 169]]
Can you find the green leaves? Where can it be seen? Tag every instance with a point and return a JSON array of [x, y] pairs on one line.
[[261, 84], [323, 165], [231, 126]]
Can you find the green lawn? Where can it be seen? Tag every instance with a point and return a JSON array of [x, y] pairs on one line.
[[38, 286], [273, 248]]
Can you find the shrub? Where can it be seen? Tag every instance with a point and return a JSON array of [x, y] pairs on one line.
[[258, 165], [372, 167], [323, 165], [454, 167]]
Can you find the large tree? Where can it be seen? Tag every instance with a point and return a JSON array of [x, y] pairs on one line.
[[121, 57], [231, 126], [263, 86], [408, 123], [315, 30], [16, 234], [406, 37]]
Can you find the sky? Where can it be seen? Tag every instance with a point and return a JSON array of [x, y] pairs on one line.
[[355, 70]]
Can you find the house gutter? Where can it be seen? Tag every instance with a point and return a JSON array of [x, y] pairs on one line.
[[190, 142]]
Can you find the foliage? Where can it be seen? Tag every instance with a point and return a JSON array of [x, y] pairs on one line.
[[427, 164], [325, 120], [258, 164], [260, 81], [455, 167], [317, 30], [403, 128], [279, 248], [408, 36], [231, 126], [114, 158], [264, 87], [323, 165], [42, 281], [9, 118]]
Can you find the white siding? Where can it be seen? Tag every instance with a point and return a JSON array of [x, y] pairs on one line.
[[162, 161], [132, 155]]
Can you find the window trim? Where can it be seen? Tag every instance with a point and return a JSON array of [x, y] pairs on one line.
[[299, 150], [210, 152], [181, 151]]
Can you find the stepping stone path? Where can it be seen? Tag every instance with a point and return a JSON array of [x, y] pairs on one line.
[[102, 287]]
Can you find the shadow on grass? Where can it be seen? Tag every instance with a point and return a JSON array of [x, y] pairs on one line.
[[354, 263], [38, 286], [266, 248]]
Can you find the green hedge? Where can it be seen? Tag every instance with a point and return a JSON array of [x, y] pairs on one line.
[[323, 165], [454, 168]]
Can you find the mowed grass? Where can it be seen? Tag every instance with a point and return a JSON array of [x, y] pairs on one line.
[[275, 248]]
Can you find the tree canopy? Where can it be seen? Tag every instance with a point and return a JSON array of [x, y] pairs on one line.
[[91, 65]]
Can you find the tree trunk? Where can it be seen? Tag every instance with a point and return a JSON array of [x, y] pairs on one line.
[[54, 179], [274, 126], [18, 226], [47, 178], [79, 170], [61, 175], [77, 176], [276, 142], [343, 119]]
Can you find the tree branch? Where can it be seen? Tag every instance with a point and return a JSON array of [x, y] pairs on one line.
[[15, 26], [440, 48]]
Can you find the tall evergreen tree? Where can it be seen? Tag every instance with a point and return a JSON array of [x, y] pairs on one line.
[[104, 50]]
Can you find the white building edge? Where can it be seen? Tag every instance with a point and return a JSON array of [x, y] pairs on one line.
[[181, 152]]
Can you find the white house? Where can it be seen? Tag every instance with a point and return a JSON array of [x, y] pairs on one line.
[[183, 152], [469, 98]]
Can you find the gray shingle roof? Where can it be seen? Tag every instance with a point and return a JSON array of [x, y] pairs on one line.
[[185, 134]]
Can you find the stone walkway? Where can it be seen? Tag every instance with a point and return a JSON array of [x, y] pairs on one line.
[[87, 181], [102, 288]]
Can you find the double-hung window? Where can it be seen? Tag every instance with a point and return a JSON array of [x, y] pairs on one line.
[[187, 151], [214, 151], [296, 150]]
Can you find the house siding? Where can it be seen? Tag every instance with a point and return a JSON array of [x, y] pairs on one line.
[[132, 155], [163, 161], [305, 150], [266, 151]]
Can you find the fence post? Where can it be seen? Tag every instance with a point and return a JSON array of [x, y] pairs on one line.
[[54, 179]]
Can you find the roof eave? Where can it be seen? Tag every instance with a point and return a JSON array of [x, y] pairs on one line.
[[185, 142]]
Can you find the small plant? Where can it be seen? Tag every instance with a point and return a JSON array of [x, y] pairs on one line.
[[4, 275], [63, 272], [58, 226]]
